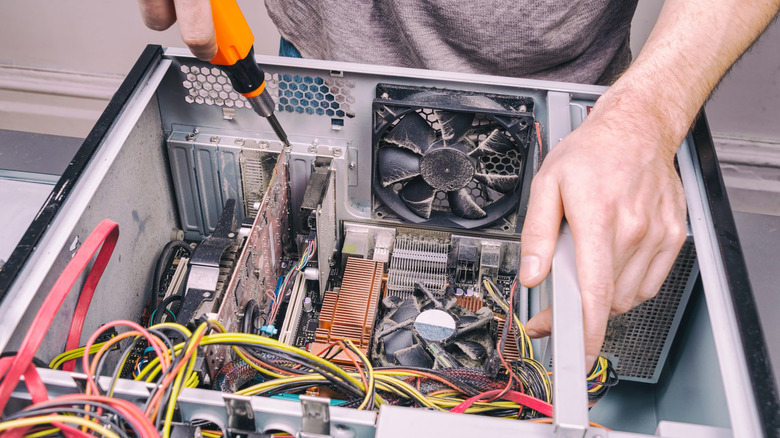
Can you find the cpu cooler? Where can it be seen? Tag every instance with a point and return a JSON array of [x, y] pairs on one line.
[[425, 331], [450, 159]]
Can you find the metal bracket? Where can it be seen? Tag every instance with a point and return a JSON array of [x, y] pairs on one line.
[[315, 421], [204, 264], [240, 415], [315, 190]]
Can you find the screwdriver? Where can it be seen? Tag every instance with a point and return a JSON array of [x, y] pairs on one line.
[[236, 57]]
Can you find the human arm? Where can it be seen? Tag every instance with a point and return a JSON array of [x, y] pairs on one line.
[[614, 177], [195, 23]]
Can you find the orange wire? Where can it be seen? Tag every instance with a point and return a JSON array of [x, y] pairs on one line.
[[539, 138], [154, 403], [354, 362]]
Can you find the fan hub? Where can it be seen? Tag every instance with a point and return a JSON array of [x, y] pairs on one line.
[[435, 325], [447, 169]]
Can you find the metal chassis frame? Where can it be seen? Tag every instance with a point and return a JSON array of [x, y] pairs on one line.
[[751, 391]]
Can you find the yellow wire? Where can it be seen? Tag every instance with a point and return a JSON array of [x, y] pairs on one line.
[[48, 419], [369, 371], [179, 380], [524, 339], [43, 433], [208, 434], [72, 354]]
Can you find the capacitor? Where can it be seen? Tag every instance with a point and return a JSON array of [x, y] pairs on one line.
[[311, 273], [307, 307], [458, 292]]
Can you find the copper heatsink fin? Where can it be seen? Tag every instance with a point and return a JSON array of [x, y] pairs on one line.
[[472, 303], [510, 349], [350, 312]]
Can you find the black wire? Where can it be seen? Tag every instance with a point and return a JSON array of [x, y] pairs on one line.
[[323, 371], [459, 382], [76, 411], [163, 305], [163, 260], [167, 253], [166, 396], [372, 396], [68, 407], [250, 313]]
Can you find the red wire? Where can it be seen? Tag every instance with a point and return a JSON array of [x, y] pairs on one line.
[[105, 235], [534, 403], [82, 307]]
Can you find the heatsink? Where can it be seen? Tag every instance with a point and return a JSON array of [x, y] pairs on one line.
[[349, 312], [418, 257]]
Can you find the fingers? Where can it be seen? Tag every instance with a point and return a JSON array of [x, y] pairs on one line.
[[540, 325], [157, 14], [657, 272], [197, 27], [540, 230], [597, 283]]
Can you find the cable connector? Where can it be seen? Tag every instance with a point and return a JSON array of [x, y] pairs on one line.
[[269, 329]]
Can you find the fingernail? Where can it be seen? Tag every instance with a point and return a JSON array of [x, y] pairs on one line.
[[529, 267], [590, 360], [532, 333]]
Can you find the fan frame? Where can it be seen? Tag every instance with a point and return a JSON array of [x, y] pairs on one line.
[[514, 114]]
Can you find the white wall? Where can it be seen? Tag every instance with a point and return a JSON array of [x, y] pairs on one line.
[[97, 36]]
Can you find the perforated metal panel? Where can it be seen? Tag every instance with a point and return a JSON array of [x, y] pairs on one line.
[[638, 338], [302, 94]]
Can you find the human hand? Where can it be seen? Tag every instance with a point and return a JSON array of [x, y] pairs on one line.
[[195, 22], [614, 180]]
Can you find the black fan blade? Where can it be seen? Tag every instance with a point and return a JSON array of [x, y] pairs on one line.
[[495, 143], [500, 183], [414, 356], [474, 350], [396, 165], [454, 126], [399, 340], [464, 205], [418, 196], [412, 133]]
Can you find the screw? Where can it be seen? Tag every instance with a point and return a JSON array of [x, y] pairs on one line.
[[263, 145], [352, 165], [206, 294], [231, 235], [313, 148], [337, 152], [239, 142], [191, 136], [195, 130], [214, 139]]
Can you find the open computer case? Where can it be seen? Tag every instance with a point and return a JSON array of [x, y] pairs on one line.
[[393, 221]]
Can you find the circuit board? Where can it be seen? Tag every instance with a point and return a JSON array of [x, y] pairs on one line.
[[257, 265]]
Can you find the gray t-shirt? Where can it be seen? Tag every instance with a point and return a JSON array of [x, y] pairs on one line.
[[584, 41]]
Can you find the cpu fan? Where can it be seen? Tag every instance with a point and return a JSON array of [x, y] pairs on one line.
[[444, 158], [428, 332]]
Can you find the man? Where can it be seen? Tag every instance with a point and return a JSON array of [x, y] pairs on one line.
[[614, 176]]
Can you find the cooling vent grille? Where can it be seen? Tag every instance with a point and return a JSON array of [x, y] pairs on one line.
[[637, 338], [302, 94]]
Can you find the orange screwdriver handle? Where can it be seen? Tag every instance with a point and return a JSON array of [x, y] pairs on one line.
[[235, 54], [234, 37]]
